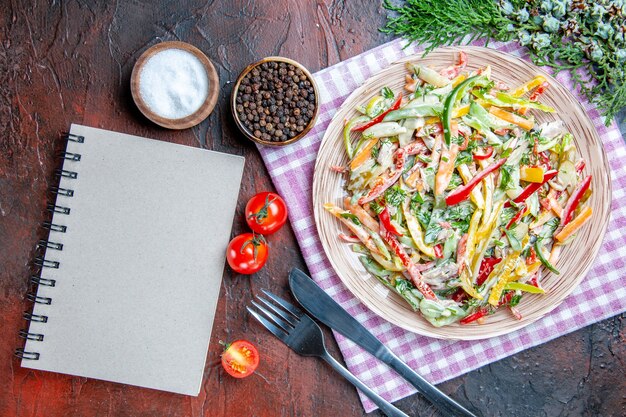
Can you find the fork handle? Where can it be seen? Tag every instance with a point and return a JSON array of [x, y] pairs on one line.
[[386, 407]]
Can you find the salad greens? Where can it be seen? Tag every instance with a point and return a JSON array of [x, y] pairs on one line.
[[456, 198]]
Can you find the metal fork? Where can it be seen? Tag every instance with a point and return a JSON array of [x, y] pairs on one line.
[[298, 331]]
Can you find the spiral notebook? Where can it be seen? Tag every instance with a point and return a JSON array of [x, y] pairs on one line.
[[133, 264]]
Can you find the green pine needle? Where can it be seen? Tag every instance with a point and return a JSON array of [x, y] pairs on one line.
[[436, 23]]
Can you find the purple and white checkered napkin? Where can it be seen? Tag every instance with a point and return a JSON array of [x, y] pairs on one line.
[[601, 294]]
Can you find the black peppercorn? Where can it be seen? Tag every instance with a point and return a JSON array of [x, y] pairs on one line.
[[275, 101]]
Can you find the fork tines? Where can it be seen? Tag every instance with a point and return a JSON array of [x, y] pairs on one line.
[[281, 320]]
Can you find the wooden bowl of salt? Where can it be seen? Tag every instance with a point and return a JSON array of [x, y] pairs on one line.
[[174, 85]]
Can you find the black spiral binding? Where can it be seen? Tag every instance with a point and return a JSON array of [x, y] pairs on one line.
[[40, 261]]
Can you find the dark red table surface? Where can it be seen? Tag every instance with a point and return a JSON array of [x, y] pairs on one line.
[[70, 61]]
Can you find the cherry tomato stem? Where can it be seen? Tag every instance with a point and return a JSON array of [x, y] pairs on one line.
[[266, 213], [247, 253]]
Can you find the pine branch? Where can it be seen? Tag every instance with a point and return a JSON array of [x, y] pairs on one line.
[[436, 23]]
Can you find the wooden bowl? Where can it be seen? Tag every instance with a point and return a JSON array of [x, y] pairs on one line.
[[188, 121], [247, 133]]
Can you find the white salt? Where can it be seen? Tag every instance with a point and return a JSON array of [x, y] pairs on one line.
[[173, 83]]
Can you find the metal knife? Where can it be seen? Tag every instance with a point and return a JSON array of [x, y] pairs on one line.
[[325, 309]]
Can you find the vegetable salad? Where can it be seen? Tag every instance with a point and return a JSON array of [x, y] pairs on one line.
[[455, 197]]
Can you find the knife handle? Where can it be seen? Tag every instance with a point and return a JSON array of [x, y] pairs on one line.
[[444, 403], [386, 407]]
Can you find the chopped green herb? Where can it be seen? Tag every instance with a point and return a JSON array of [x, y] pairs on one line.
[[507, 214], [376, 207], [548, 229], [394, 196], [464, 157], [416, 200], [387, 92], [423, 214], [455, 181], [434, 226], [515, 300], [462, 226], [375, 151], [506, 176], [461, 211]]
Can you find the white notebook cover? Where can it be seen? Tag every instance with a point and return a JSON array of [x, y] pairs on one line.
[[142, 261]]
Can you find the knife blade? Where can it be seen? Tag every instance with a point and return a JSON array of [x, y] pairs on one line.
[[321, 306]]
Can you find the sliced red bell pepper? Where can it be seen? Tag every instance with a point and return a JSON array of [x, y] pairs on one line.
[[539, 91], [438, 251], [488, 152], [463, 193], [574, 200], [380, 117], [459, 295], [507, 298], [485, 269], [411, 267], [386, 220], [532, 187], [517, 216], [532, 256], [349, 239], [580, 165], [382, 184], [480, 313]]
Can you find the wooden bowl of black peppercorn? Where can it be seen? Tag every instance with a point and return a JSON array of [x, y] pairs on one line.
[[275, 101]]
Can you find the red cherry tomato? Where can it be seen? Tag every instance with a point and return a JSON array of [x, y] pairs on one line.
[[247, 253], [266, 213], [240, 358]]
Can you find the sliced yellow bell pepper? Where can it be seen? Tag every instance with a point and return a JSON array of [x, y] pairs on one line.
[[471, 232], [395, 266], [483, 236], [532, 268], [416, 232], [456, 113], [531, 174], [459, 78], [520, 270], [526, 87], [467, 285], [543, 218], [475, 195], [504, 274]]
